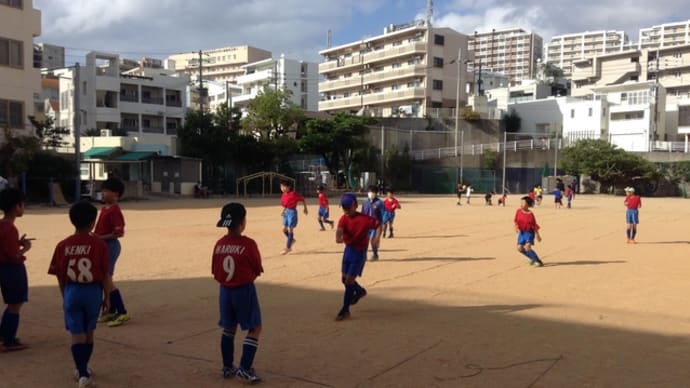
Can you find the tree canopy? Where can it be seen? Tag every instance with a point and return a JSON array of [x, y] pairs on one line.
[[511, 121], [272, 113]]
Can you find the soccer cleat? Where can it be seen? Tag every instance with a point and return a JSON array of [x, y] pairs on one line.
[[285, 251], [85, 382], [119, 320], [76, 374], [249, 376], [357, 297], [229, 372], [390, 235], [342, 316], [332, 224], [537, 264], [14, 346], [374, 258], [107, 317]]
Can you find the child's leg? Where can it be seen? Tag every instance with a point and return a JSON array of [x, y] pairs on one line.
[[249, 348], [376, 242], [350, 292], [81, 352], [390, 234], [628, 231], [10, 323], [633, 232], [227, 349], [321, 220], [290, 237], [531, 254]]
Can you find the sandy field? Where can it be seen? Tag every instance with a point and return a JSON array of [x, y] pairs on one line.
[[450, 304]]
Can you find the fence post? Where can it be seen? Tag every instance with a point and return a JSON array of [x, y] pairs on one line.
[[51, 200]]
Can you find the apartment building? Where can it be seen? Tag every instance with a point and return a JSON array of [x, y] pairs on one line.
[[47, 56], [513, 52], [221, 64], [409, 70], [299, 77], [114, 95], [665, 35], [563, 50], [20, 82], [218, 93]]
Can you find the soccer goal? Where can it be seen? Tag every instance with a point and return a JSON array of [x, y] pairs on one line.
[[269, 180]]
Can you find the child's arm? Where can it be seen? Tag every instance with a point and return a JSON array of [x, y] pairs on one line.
[[339, 236], [304, 202], [25, 245], [108, 287], [537, 235], [61, 284]]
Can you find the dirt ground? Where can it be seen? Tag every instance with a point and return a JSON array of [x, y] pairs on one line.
[[450, 304]]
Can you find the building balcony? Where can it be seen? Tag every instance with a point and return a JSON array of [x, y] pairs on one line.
[[129, 98], [373, 56], [152, 100], [263, 75], [373, 99], [355, 82]]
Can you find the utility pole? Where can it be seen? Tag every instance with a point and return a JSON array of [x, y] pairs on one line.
[[76, 117], [201, 81], [275, 75], [457, 100]]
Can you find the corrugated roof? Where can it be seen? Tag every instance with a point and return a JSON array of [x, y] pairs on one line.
[[100, 152], [133, 156]]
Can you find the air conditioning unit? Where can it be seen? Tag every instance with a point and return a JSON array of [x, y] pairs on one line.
[[106, 132]]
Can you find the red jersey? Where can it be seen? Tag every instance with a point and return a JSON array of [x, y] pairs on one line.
[[356, 229], [110, 221], [526, 221], [9, 244], [391, 204], [323, 200], [290, 200], [236, 261], [532, 195], [80, 258], [633, 202]]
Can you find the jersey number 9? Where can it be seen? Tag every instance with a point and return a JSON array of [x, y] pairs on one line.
[[84, 268], [229, 267]]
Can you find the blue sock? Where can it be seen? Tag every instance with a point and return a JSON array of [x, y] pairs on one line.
[[80, 353], [89, 352], [633, 233], [227, 348], [524, 253], [350, 290], [10, 324], [359, 289], [628, 232], [290, 240], [286, 233], [533, 256], [321, 223], [375, 250], [116, 302], [248, 352]]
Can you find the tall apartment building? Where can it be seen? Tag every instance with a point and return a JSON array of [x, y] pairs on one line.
[[47, 56], [299, 77], [20, 82], [513, 52], [563, 50], [665, 35], [221, 64], [113, 94], [408, 70]]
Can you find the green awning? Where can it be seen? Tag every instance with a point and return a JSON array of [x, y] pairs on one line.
[[100, 152], [134, 156]]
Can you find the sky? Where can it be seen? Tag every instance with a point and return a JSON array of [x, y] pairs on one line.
[[298, 28]]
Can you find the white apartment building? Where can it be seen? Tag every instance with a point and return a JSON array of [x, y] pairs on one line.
[[47, 56], [20, 82], [299, 77], [408, 70], [113, 95], [220, 93], [221, 64], [563, 50], [665, 35], [513, 52]]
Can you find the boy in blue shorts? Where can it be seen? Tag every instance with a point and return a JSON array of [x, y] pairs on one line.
[[323, 208], [374, 207], [353, 230], [289, 200], [80, 263], [235, 265], [13, 280], [527, 229], [390, 205], [632, 215]]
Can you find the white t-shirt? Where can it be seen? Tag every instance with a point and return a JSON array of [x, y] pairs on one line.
[[469, 191]]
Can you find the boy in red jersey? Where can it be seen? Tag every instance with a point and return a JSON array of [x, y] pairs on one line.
[[80, 263], [527, 229], [13, 280], [353, 230], [632, 214], [390, 205], [236, 264], [110, 227], [289, 201], [323, 208]]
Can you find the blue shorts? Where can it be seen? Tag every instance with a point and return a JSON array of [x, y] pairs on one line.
[[239, 305], [632, 217], [114, 249], [14, 283], [82, 304], [323, 212], [525, 238], [290, 218], [353, 261], [388, 216]]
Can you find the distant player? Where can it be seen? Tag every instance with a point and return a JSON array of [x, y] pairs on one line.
[[289, 201], [569, 194], [353, 230], [373, 207], [487, 198], [323, 208], [502, 199], [558, 198], [13, 280], [80, 263], [110, 227], [538, 192], [390, 205], [632, 216], [527, 229], [468, 193], [460, 190], [236, 264]]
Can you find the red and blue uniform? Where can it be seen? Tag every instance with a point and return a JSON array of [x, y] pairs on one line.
[[527, 226], [323, 206], [289, 202], [356, 238], [632, 214], [390, 205], [13, 279], [111, 221]]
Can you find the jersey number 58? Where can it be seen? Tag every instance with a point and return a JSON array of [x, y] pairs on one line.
[[84, 268]]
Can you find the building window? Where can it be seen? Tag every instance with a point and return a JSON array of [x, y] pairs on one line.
[[438, 62], [436, 104], [572, 113], [636, 115], [396, 65], [437, 84], [13, 3], [395, 87], [11, 114], [439, 40], [589, 113], [11, 53]]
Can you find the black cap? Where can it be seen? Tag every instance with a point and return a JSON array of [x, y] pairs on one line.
[[232, 215]]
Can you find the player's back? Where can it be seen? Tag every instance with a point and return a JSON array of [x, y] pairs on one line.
[[356, 229], [236, 261], [80, 258]]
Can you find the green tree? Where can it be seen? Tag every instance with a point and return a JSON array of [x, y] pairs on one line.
[[489, 160], [336, 139], [511, 121], [606, 163], [398, 168], [50, 135], [17, 152], [272, 113], [228, 117]]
